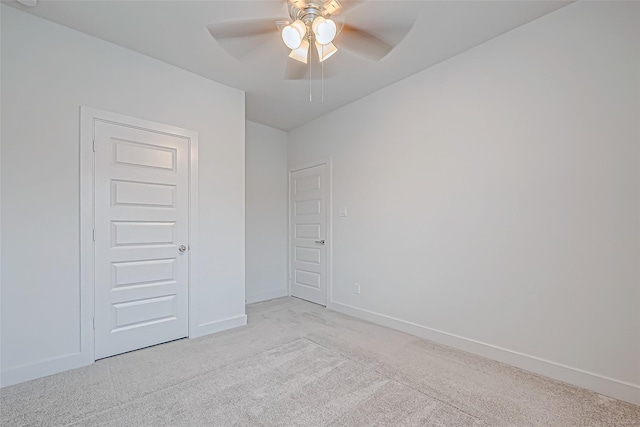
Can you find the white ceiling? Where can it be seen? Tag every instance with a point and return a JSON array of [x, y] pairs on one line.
[[175, 32]]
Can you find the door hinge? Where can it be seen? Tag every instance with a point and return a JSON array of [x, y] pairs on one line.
[[94, 145], [94, 234], [94, 323]]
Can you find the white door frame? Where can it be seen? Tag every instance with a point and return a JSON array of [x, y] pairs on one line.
[[88, 116], [329, 232]]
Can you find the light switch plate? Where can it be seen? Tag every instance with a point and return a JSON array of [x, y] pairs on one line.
[[343, 211]]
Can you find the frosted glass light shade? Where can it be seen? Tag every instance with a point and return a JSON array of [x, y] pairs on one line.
[[325, 51], [293, 34], [324, 30], [301, 53]]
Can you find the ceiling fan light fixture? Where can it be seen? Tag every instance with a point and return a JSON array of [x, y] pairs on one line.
[[301, 53], [293, 34], [324, 30], [325, 51]]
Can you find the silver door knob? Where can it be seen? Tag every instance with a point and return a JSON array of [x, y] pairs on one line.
[[182, 248], [320, 242]]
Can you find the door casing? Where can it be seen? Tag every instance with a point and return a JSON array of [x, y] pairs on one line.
[[88, 116], [329, 233]]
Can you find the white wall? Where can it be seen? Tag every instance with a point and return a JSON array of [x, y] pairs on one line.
[[494, 199], [266, 213], [48, 71]]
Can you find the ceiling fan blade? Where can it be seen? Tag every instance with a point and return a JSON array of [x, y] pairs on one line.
[[300, 4], [295, 70], [235, 29], [363, 43], [335, 7]]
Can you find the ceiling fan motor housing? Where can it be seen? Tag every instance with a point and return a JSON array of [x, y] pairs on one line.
[[311, 10]]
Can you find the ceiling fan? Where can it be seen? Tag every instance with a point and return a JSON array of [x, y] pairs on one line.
[[311, 24]]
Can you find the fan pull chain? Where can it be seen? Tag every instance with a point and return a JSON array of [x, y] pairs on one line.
[[310, 95], [322, 76]]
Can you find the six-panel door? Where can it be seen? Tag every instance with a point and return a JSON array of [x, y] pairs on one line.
[[141, 219]]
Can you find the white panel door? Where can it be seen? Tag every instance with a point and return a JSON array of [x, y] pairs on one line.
[[141, 231], [308, 234]]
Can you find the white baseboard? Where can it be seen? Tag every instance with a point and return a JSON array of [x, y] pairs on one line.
[[598, 383], [56, 365], [43, 368], [265, 296], [219, 326]]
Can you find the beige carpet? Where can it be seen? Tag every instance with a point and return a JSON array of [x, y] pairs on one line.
[[298, 364]]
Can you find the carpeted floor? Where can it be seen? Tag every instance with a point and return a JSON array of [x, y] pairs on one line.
[[298, 364]]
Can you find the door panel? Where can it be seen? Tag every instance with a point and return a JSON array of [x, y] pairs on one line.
[[308, 237], [312, 255], [141, 233], [128, 193], [141, 219], [143, 272], [144, 312], [144, 155], [307, 207]]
